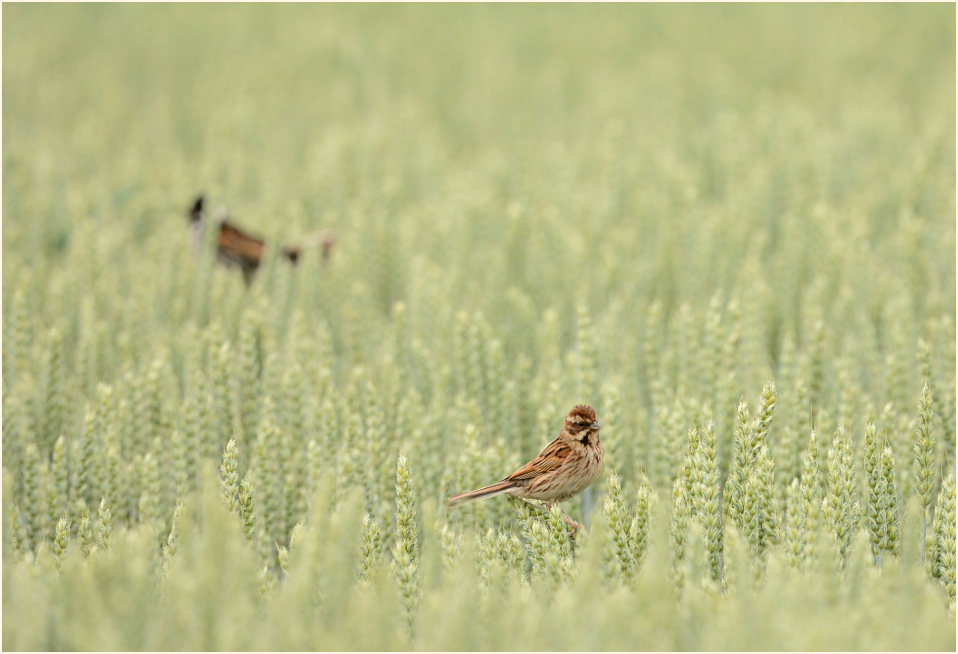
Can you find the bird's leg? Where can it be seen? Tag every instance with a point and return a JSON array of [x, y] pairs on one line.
[[575, 525]]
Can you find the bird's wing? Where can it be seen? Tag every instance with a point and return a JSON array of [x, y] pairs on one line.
[[237, 242], [550, 458]]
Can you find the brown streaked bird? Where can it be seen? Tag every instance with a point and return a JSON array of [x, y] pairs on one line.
[[237, 248], [564, 468]]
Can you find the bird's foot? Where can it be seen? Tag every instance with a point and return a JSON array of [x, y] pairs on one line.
[[575, 525]]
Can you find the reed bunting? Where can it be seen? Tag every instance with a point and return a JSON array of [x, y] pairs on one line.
[[564, 468]]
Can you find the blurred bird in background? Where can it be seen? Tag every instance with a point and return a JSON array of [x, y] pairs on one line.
[[236, 248]]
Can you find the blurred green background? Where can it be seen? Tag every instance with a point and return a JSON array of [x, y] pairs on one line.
[[631, 129]]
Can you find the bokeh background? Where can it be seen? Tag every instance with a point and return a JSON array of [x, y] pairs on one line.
[[653, 209]]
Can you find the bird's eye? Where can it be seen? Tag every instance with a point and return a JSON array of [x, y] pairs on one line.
[[580, 424]]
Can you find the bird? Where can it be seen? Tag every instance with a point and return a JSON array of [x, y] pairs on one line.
[[236, 248], [564, 468]]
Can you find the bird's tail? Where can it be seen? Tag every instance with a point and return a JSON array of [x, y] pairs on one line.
[[325, 238], [480, 493]]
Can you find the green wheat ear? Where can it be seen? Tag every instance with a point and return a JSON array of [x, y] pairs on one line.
[[61, 540], [249, 377], [371, 548], [941, 563], [645, 501], [85, 534], [247, 508], [708, 501], [618, 561], [104, 525], [923, 463], [945, 410], [229, 476], [150, 501], [34, 515], [58, 483], [678, 534], [405, 552], [18, 335], [804, 511], [841, 507], [795, 531], [881, 497], [891, 503], [53, 415]]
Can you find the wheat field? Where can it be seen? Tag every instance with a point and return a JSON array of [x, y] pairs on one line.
[[730, 229]]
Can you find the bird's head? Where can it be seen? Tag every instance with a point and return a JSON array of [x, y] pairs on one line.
[[581, 423], [195, 212]]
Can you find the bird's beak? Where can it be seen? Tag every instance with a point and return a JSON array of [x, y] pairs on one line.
[[595, 426]]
